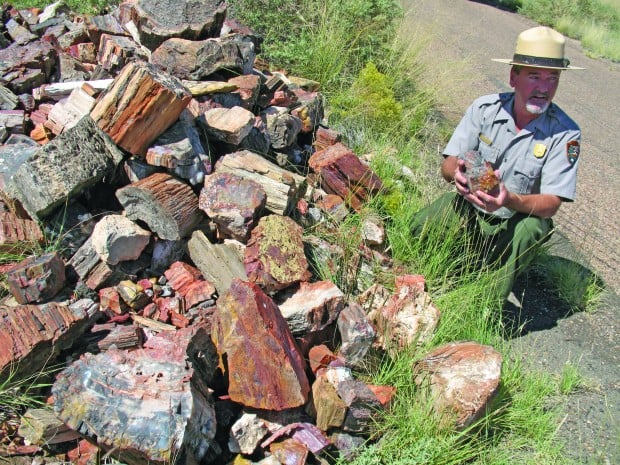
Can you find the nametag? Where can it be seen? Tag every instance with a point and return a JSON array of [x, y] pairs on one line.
[[485, 139]]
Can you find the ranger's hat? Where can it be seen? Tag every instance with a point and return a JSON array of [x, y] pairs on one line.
[[539, 47]]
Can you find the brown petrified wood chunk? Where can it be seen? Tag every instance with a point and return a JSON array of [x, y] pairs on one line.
[[32, 335], [462, 378], [264, 367], [140, 105], [158, 20], [343, 173], [168, 206]]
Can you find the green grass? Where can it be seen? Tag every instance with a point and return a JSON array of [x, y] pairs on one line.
[[78, 6]]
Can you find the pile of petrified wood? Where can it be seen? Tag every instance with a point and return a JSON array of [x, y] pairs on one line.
[[179, 181]]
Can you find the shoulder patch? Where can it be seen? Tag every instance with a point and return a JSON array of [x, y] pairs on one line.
[[572, 151]]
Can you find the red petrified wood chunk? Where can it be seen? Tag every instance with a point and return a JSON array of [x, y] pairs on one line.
[[265, 369], [343, 173], [37, 279]]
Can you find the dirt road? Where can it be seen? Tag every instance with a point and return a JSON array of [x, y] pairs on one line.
[[460, 39]]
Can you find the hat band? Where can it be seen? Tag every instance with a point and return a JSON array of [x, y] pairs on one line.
[[540, 61]]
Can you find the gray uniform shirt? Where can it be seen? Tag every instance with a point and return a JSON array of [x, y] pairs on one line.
[[541, 158]]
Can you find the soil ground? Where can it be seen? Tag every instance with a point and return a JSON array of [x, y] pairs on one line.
[[459, 39]]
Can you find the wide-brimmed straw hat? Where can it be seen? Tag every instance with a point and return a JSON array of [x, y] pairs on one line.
[[539, 47]]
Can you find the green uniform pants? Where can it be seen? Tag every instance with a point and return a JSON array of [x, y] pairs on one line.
[[507, 244]]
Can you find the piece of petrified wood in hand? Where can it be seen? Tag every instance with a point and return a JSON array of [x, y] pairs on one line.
[[343, 173], [168, 206], [139, 106], [265, 369]]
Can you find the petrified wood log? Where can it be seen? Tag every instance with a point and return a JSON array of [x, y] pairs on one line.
[[168, 206], [43, 182], [343, 173], [32, 335], [265, 369], [158, 20], [146, 405], [283, 188], [140, 105]]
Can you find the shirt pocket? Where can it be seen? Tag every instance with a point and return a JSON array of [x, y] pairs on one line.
[[488, 152], [526, 179]]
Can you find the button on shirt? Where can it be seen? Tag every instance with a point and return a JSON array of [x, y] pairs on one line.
[[532, 160]]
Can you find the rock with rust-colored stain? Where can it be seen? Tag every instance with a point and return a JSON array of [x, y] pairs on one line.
[[233, 203], [274, 256], [462, 378], [37, 279], [290, 451], [264, 367]]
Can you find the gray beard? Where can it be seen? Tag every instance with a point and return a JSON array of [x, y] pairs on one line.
[[536, 110]]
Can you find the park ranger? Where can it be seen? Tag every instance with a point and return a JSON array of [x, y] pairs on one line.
[[532, 148]]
